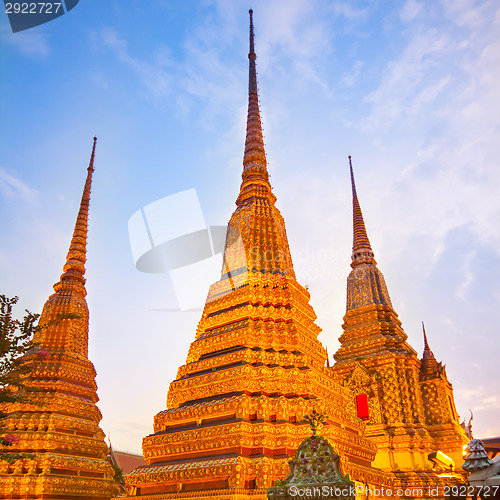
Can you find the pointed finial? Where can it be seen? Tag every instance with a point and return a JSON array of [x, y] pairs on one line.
[[91, 163], [327, 358], [252, 81], [430, 368], [469, 426], [426, 345], [427, 350], [74, 269], [361, 249], [315, 420], [251, 31]]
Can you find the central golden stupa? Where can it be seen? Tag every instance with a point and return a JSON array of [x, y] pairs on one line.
[[256, 367]]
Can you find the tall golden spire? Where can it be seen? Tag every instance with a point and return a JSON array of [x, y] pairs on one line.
[[256, 240], [256, 366], [407, 397], [365, 284], [361, 249], [69, 296], [255, 176], [59, 426], [74, 269]]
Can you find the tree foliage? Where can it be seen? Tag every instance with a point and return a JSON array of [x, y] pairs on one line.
[[15, 342]]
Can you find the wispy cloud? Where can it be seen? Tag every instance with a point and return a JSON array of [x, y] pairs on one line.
[[466, 13], [468, 276], [154, 75], [29, 43], [409, 11], [347, 10], [411, 81], [200, 80], [15, 188], [442, 89], [351, 77]]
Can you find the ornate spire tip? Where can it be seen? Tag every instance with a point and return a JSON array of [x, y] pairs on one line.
[[92, 156], [361, 249], [426, 344]]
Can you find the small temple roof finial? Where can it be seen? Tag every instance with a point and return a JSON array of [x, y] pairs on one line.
[[315, 420], [428, 354], [429, 368]]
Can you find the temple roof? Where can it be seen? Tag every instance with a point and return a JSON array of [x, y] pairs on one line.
[[125, 460]]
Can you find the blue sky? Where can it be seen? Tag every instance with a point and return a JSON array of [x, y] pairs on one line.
[[409, 89]]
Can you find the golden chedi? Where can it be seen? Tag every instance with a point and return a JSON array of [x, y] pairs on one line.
[[255, 369], [59, 428], [410, 410]]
